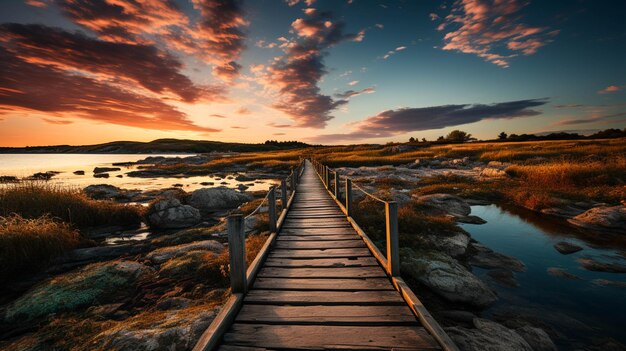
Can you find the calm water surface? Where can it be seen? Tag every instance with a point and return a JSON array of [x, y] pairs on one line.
[[579, 309], [24, 165]]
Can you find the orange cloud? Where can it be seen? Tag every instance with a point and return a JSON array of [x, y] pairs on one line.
[[610, 89]]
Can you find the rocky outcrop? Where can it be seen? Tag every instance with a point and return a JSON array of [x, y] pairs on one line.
[[454, 244], [603, 218], [215, 199], [489, 259], [537, 338], [161, 255], [171, 214], [447, 278], [591, 264], [566, 248], [560, 272], [487, 336], [442, 204], [93, 285], [490, 172], [105, 169]]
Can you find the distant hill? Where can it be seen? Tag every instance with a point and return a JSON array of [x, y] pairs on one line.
[[158, 146]]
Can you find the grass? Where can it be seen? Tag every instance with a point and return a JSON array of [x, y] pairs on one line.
[[35, 199], [27, 245]]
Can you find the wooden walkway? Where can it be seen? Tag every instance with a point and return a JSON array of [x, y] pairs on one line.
[[321, 288]]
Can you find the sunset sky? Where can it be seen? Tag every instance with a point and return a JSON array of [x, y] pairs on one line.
[[319, 71]]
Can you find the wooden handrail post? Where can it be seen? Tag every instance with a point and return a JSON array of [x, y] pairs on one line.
[[349, 197], [336, 185], [294, 180], [393, 246], [327, 176], [237, 253], [283, 194], [271, 199]]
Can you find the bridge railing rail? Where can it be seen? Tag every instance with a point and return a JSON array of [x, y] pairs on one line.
[[391, 259], [242, 277]]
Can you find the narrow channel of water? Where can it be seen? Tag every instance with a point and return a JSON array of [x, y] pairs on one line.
[[581, 310]]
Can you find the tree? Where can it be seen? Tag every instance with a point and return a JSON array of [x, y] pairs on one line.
[[459, 136], [424, 140], [502, 136], [411, 140], [441, 138]]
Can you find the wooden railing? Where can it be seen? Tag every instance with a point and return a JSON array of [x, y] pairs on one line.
[[391, 261], [242, 278]]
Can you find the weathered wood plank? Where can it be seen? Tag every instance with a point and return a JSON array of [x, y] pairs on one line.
[[329, 237], [316, 231], [355, 252], [342, 244], [321, 262], [291, 297], [336, 315], [329, 272], [330, 337], [322, 284]]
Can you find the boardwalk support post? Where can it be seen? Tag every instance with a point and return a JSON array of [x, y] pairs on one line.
[[349, 197], [393, 250], [294, 180], [271, 199], [326, 176], [336, 185], [237, 251], [283, 194]]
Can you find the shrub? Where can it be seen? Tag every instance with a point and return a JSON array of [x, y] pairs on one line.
[[28, 244]]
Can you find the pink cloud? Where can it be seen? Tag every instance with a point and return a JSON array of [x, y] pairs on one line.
[[610, 89]]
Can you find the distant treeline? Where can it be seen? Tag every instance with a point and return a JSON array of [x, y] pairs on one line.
[[158, 146]]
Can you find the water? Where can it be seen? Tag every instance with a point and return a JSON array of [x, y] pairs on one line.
[[24, 165], [578, 309]]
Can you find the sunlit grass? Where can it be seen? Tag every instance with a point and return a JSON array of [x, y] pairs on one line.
[[36, 199], [29, 244]]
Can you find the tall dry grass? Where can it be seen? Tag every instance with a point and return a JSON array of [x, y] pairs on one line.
[[29, 244], [35, 199]]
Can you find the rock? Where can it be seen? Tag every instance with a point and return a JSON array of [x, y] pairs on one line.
[[447, 278], [8, 179], [489, 259], [603, 218], [207, 183], [215, 199], [537, 338], [102, 191], [168, 193], [605, 282], [566, 248], [471, 220], [489, 172], [454, 244], [95, 284], [173, 303], [101, 175], [566, 211], [559, 272], [96, 253], [596, 266], [178, 185], [105, 169], [488, 336], [119, 176], [243, 178], [79, 172], [242, 187], [170, 213], [43, 175], [458, 315], [446, 203], [161, 255], [503, 277]]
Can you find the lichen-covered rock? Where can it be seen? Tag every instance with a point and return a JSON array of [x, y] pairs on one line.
[[603, 218], [490, 172], [488, 336], [215, 199], [161, 255], [537, 338], [447, 278], [171, 214], [94, 284], [454, 244], [446, 203]]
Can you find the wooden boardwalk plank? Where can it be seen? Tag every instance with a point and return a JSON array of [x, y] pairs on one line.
[[321, 262], [326, 315], [322, 284], [329, 272], [355, 252], [342, 244], [343, 298], [330, 337], [329, 237]]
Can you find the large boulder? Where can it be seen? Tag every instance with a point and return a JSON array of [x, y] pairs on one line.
[[161, 255], [488, 336], [489, 259], [95, 284], [171, 214], [603, 218], [446, 203], [447, 278], [491, 172], [455, 244], [215, 199]]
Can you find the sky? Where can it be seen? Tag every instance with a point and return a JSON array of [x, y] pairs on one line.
[[317, 71]]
